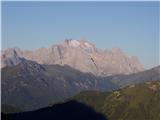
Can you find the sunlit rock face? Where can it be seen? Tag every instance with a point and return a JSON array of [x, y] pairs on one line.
[[11, 57], [79, 54]]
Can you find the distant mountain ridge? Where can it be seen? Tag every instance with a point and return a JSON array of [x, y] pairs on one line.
[[152, 74], [79, 54]]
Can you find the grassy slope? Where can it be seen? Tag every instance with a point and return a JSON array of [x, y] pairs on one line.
[[140, 102]]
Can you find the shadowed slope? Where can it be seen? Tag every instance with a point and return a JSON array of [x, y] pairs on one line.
[[31, 86], [71, 110]]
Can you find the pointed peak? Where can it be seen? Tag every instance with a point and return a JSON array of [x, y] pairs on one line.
[[80, 43], [72, 42], [12, 51], [76, 43]]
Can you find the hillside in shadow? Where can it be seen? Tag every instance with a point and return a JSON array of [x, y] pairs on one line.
[[71, 110], [33, 86]]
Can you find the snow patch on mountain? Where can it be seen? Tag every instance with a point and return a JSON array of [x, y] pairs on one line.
[[74, 43], [88, 45]]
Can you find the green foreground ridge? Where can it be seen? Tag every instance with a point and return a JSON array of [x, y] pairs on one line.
[[134, 102]]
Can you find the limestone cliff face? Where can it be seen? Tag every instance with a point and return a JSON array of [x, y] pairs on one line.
[[79, 54]]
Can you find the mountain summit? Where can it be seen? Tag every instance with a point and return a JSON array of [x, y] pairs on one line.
[[83, 44], [79, 54]]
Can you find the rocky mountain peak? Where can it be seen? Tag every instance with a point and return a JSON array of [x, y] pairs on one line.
[[11, 57], [72, 43], [11, 52], [79, 54], [82, 43]]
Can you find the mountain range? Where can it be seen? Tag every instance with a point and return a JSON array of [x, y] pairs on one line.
[[36, 79], [79, 54]]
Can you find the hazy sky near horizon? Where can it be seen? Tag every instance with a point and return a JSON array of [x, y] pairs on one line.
[[132, 26]]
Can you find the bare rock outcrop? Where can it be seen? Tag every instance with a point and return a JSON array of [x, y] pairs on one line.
[[79, 54]]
